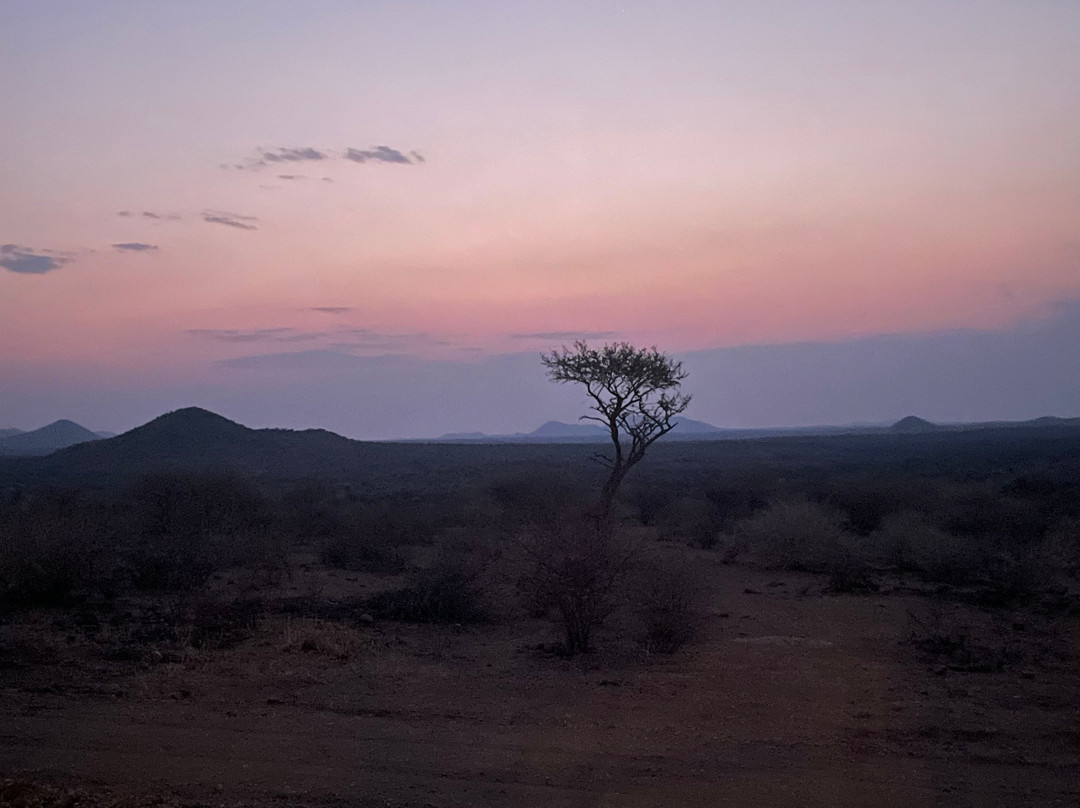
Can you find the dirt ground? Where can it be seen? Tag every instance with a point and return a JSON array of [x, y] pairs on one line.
[[790, 697]]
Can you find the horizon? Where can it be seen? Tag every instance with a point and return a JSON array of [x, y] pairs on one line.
[[373, 218], [481, 435]]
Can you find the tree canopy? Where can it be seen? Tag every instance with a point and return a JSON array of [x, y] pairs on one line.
[[635, 395]]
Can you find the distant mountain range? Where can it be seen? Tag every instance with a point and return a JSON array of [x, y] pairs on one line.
[[688, 429], [193, 434], [558, 431], [48, 439], [196, 440]]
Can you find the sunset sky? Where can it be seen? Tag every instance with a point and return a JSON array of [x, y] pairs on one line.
[[371, 216]]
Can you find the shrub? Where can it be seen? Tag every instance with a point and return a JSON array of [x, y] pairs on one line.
[[188, 525], [451, 590], [795, 534], [577, 573], [667, 601], [363, 552], [542, 498], [322, 638], [198, 504], [693, 519], [909, 542], [51, 548]]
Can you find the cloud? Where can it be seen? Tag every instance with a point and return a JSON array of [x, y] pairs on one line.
[[282, 156], [241, 335], [566, 335], [279, 156], [317, 359], [134, 246], [26, 261], [291, 177], [293, 155], [380, 154], [229, 219], [332, 309], [341, 339]]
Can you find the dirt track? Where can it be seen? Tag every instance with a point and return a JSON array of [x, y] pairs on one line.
[[792, 698]]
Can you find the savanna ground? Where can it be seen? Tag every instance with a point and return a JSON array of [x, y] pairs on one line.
[[905, 657]]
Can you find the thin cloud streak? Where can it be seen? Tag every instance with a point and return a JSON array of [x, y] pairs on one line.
[[294, 155], [567, 335], [230, 219], [134, 246], [240, 335], [379, 154]]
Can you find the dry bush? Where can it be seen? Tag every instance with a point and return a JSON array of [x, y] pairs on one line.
[[668, 600], [322, 638], [1044, 570], [910, 542], [693, 519], [965, 641], [577, 572], [795, 533], [541, 498], [358, 551], [188, 525], [454, 589], [171, 562], [213, 624], [51, 548]]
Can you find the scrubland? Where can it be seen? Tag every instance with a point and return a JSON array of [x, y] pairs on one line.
[[771, 623]]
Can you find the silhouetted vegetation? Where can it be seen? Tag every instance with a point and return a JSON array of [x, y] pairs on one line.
[[501, 533]]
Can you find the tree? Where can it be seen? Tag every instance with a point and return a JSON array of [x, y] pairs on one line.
[[635, 396]]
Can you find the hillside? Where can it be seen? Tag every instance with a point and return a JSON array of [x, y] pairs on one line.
[[57, 435], [196, 440]]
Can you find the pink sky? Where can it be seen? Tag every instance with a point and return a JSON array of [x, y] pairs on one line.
[[694, 175]]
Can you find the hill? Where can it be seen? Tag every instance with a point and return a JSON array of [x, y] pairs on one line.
[[48, 439], [914, 424], [197, 441], [194, 440], [558, 429]]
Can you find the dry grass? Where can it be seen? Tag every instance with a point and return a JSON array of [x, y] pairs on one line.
[[322, 638]]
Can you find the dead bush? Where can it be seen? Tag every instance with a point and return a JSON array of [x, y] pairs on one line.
[[322, 638], [795, 533], [692, 519], [577, 571], [668, 602], [51, 548], [453, 589], [364, 552], [965, 642], [1043, 570], [910, 542]]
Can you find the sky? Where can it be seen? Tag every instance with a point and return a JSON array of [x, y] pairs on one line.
[[373, 216]]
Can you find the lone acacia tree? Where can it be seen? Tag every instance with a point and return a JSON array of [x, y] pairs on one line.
[[635, 396]]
